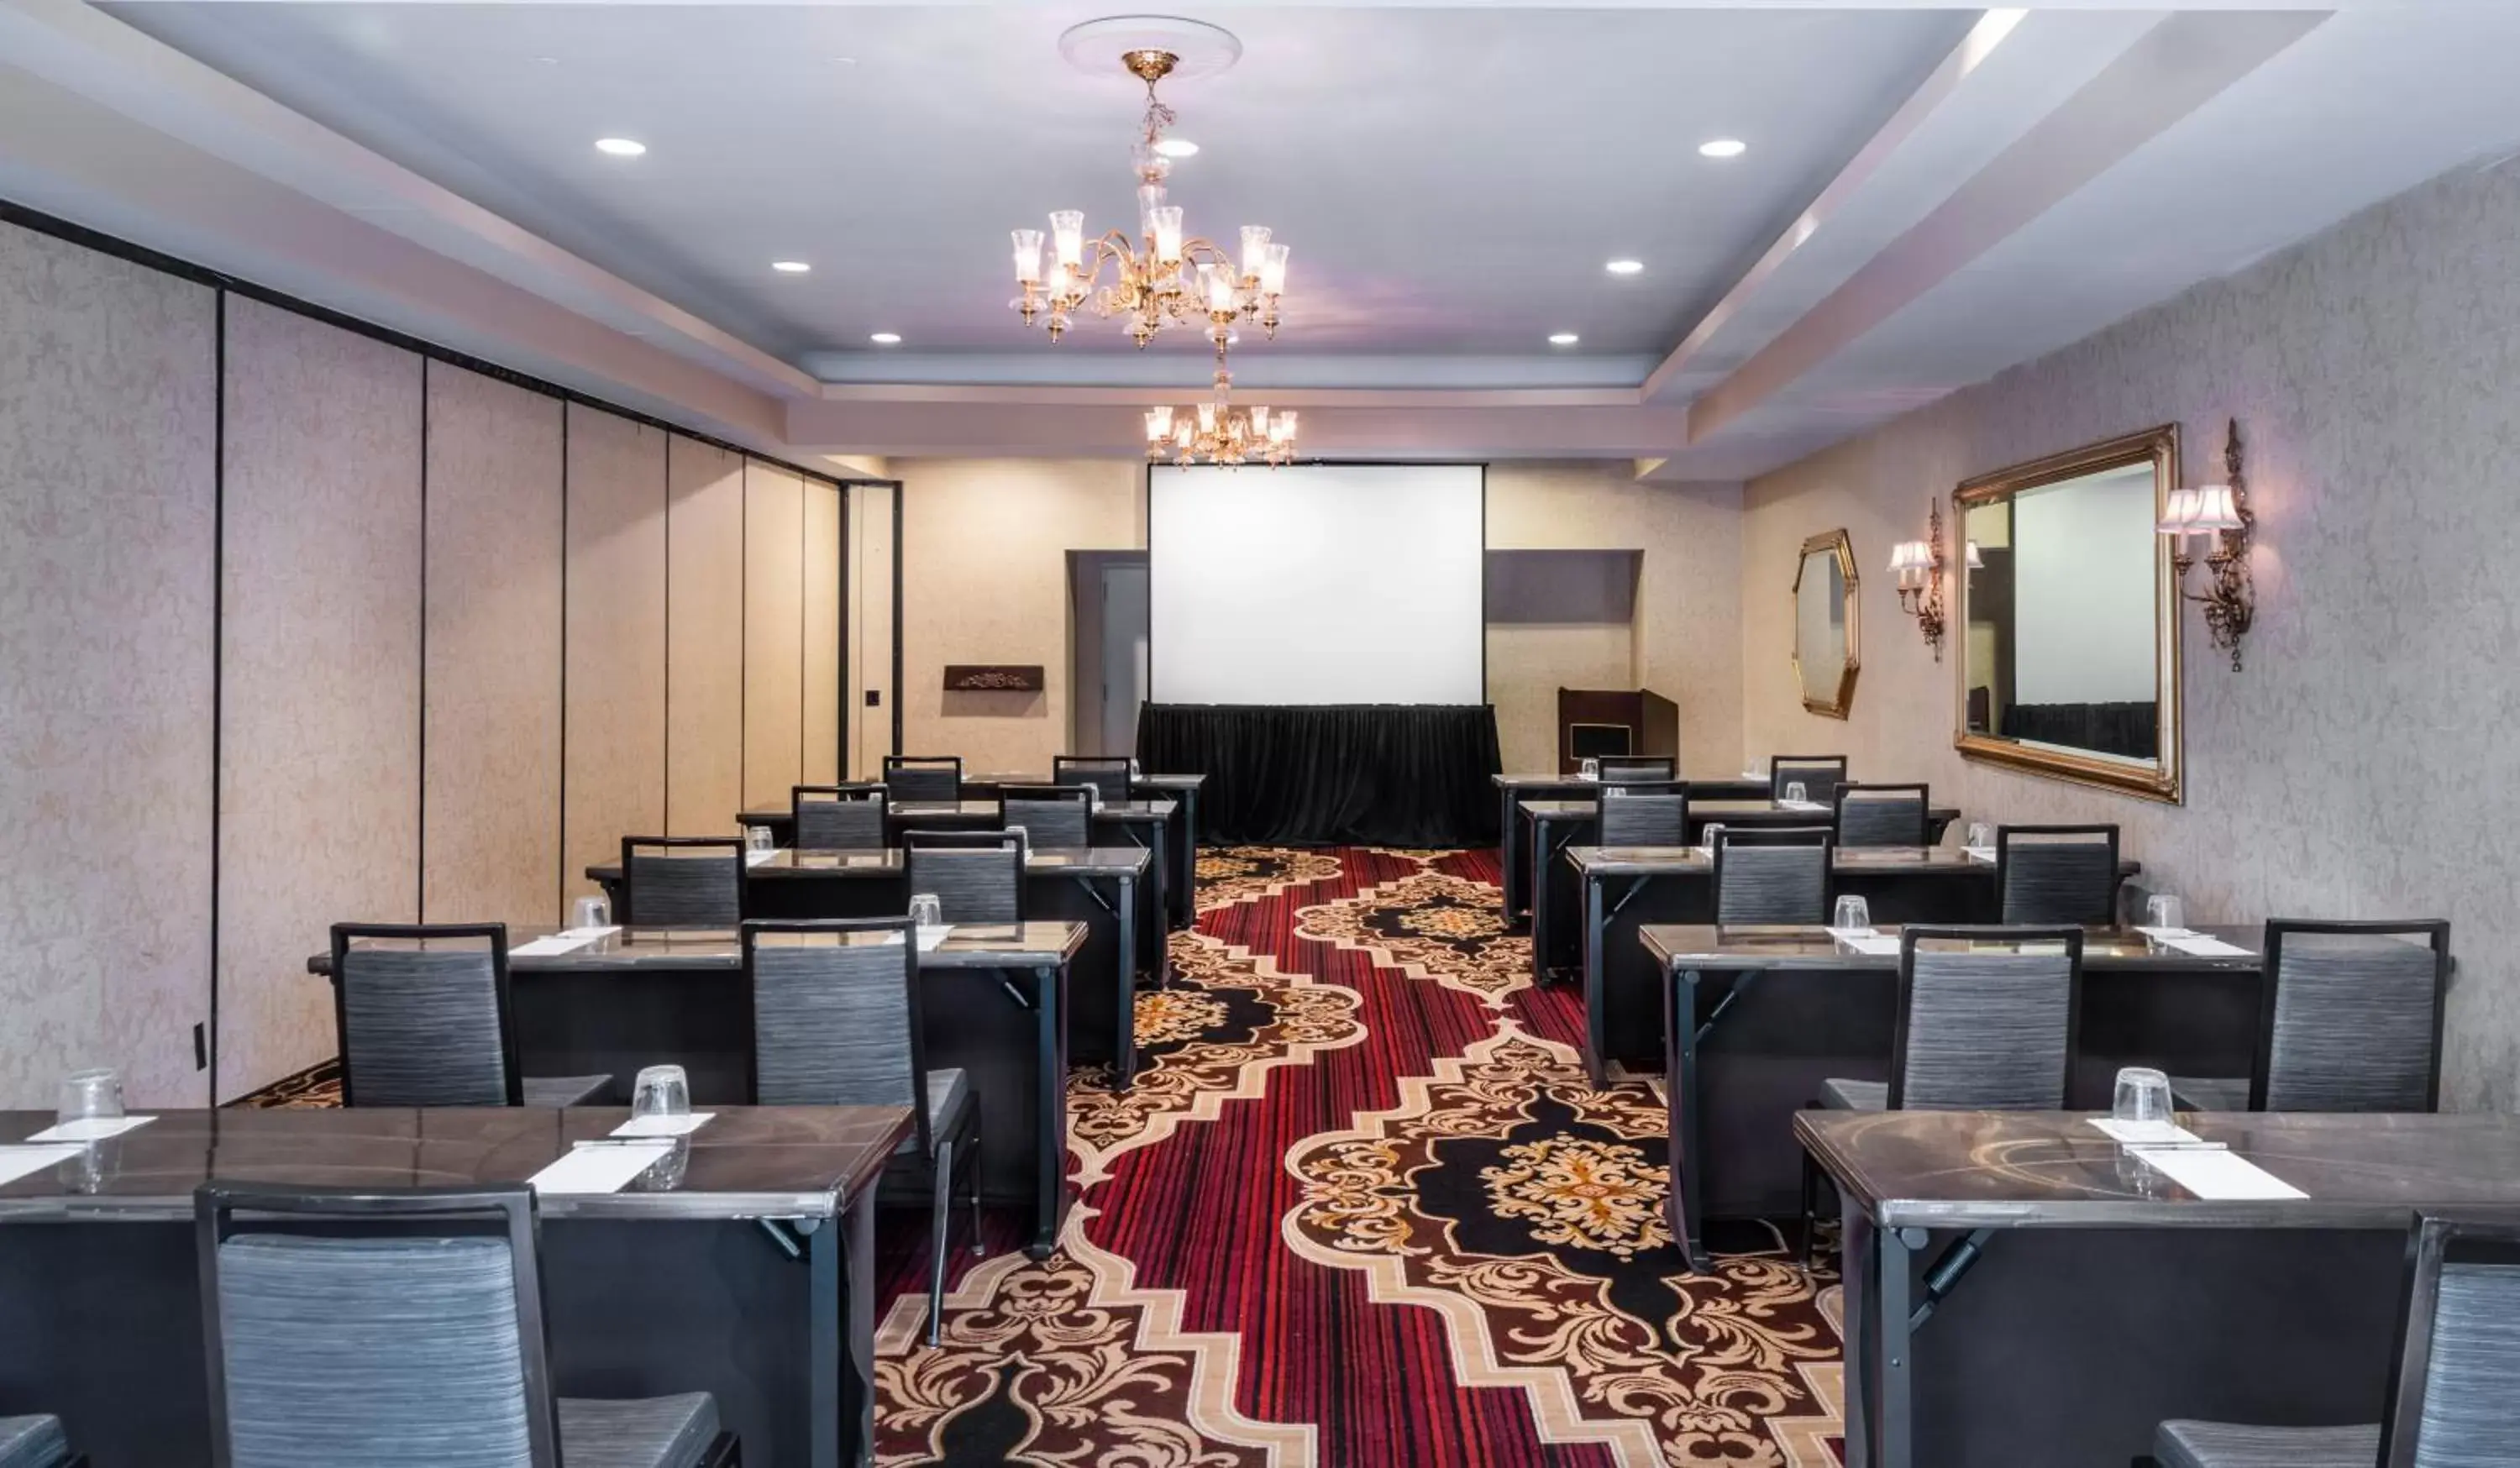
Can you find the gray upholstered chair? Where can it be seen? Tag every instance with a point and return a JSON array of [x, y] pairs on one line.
[[835, 1022], [838, 818], [1777, 876], [1644, 815], [2454, 1395], [1882, 815], [924, 776], [1052, 817], [682, 881], [35, 1441], [1979, 1028], [1109, 776], [422, 1017], [1614, 769], [2350, 1020], [1817, 773], [404, 1325], [2057, 873], [975, 876]]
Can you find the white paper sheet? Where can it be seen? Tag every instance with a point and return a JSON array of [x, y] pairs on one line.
[[604, 930], [1983, 854], [930, 936], [19, 1162], [2164, 935], [2201, 947], [1876, 945], [1801, 805], [2150, 1134], [605, 1167], [2216, 1174], [1849, 935], [756, 858], [94, 1129], [665, 1126], [556, 943]]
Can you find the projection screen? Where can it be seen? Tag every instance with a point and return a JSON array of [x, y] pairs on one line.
[[1317, 584]]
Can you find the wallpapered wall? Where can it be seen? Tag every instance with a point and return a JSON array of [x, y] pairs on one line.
[[411, 561], [2362, 765]]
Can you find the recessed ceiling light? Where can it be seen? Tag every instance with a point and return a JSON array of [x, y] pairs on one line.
[[1177, 147], [844, 60], [1724, 148], [1564, 338], [620, 148], [790, 267], [548, 61], [885, 338], [1625, 267]]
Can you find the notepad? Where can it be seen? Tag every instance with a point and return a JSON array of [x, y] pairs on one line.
[[1983, 854], [665, 1126], [92, 1129], [1801, 805], [2198, 946], [929, 936], [18, 1162], [2216, 1175], [756, 858], [556, 943], [2151, 1133], [600, 1168], [1872, 945]]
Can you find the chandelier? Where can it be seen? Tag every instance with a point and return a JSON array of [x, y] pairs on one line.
[[1214, 432], [1160, 278]]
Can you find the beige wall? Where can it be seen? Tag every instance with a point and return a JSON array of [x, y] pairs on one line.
[[413, 562], [703, 638], [2362, 765], [107, 584], [984, 580]]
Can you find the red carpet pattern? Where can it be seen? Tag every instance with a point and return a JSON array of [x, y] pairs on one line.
[[1360, 1208]]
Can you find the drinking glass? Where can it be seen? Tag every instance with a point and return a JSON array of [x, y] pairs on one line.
[[758, 838], [1981, 836], [1591, 769], [2143, 1096], [590, 913], [2164, 910], [1854, 913], [1711, 836], [91, 1096], [1796, 792], [926, 910], [661, 1091]]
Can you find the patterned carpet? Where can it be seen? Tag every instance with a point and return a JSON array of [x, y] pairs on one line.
[[1361, 1208]]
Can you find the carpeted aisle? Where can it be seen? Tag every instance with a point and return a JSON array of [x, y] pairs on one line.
[[1360, 1208]]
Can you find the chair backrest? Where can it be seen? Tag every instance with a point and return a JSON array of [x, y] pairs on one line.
[[682, 881], [1643, 816], [1986, 1031], [2455, 1387], [1107, 775], [924, 776], [2057, 873], [1882, 815], [835, 1014], [1774, 875], [1817, 773], [2352, 1017], [975, 876], [342, 1325], [838, 818], [421, 1014], [1051, 815], [1615, 768]]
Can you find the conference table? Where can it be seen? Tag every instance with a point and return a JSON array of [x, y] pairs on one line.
[[2020, 1289], [1514, 789], [1148, 824], [751, 1276], [1064, 885], [1550, 826], [1625, 888], [1180, 830], [993, 1003], [1756, 1018]]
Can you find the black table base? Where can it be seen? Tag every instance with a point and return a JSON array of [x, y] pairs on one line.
[[1363, 775]]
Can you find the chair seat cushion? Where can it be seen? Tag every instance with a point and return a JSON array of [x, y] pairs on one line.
[[2229, 1444], [949, 1093], [567, 1090], [32, 1442], [1839, 1094], [2209, 1093], [652, 1432]]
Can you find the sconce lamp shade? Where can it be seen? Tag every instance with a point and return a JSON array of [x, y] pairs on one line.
[[2179, 517], [1974, 562], [2216, 509]]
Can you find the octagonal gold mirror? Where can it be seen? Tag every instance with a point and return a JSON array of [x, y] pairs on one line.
[[1824, 643]]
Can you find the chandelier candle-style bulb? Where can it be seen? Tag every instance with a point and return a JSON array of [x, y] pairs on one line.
[[1167, 221], [1159, 425], [1255, 250], [1272, 271], [1259, 420], [1067, 228], [1027, 257]]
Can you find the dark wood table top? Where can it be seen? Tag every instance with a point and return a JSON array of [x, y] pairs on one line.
[[1136, 782], [1072, 860], [747, 1162], [1696, 946], [1659, 861], [1139, 812], [970, 945], [2018, 1169], [1714, 809]]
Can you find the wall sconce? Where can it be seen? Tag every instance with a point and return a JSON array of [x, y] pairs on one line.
[[1919, 566], [2220, 511]]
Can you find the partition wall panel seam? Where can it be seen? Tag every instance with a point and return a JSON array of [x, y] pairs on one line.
[[218, 647], [419, 862]]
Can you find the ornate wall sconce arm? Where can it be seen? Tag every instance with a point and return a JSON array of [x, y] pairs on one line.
[[2221, 512], [1919, 566]]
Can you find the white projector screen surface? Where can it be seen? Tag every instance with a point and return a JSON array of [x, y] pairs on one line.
[[1317, 584]]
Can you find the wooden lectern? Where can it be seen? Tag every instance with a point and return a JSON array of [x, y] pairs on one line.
[[1594, 722]]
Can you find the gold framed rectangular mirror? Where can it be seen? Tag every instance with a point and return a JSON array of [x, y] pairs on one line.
[[2068, 611]]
